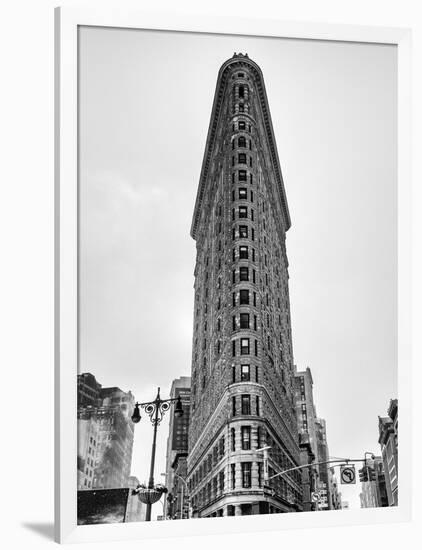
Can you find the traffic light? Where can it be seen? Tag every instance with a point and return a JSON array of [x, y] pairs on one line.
[[371, 474], [363, 474]]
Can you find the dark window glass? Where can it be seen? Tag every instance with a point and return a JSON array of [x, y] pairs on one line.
[[243, 211], [257, 374], [242, 175], [246, 404], [233, 438], [243, 194], [244, 346], [246, 438], [242, 141], [234, 406], [241, 91], [257, 405], [245, 373], [244, 274], [253, 234], [256, 348], [242, 125], [246, 474], [243, 252], [243, 231], [233, 348], [244, 320], [233, 375], [234, 322], [242, 158], [251, 179], [244, 297], [233, 478]]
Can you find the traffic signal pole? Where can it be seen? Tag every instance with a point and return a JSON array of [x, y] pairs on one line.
[[338, 460]]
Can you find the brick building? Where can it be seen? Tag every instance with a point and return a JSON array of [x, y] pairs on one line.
[[242, 395], [388, 439]]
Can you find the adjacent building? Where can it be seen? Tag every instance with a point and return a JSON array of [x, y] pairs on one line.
[[374, 491], [242, 396], [105, 435], [324, 488], [177, 503], [388, 439]]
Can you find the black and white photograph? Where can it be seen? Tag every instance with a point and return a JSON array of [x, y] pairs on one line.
[[237, 276]]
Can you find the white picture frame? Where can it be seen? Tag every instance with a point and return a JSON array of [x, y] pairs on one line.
[[67, 21]]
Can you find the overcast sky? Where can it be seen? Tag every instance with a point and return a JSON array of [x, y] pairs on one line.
[[145, 106]]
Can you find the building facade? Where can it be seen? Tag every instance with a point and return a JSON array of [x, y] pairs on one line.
[[374, 491], [324, 485], [388, 439], [177, 503], [105, 438], [242, 395]]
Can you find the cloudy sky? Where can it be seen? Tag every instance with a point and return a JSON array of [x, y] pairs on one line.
[[145, 105]]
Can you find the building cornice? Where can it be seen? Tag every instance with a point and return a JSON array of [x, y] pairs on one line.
[[222, 80]]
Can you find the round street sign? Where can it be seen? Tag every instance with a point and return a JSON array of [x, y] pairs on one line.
[[347, 474], [316, 497]]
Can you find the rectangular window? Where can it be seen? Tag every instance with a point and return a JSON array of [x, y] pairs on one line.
[[242, 158], [234, 299], [233, 177], [244, 297], [233, 438], [244, 320], [252, 217], [243, 211], [246, 404], [253, 234], [242, 125], [255, 322], [254, 276], [244, 273], [233, 276], [233, 477], [233, 375], [233, 214], [246, 474], [243, 231], [251, 179], [234, 322], [260, 474], [243, 193], [233, 348], [244, 373], [254, 299], [246, 438], [234, 254], [242, 175], [250, 162], [256, 348], [234, 406], [243, 252], [221, 481], [244, 346], [257, 374], [242, 141], [257, 405], [251, 196]]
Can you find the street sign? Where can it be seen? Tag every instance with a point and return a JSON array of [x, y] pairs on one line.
[[315, 497], [347, 474]]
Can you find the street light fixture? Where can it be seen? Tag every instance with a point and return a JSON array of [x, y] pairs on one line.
[[155, 410]]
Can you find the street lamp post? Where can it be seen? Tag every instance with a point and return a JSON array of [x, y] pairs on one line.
[[155, 410]]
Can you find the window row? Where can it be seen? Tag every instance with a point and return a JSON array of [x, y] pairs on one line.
[[242, 158], [243, 274], [245, 438], [242, 175], [241, 125], [242, 194], [245, 405], [243, 213], [244, 298], [244, 322], [245, 373], [242, 232], [242, 142], [243, 253], [244, 346]]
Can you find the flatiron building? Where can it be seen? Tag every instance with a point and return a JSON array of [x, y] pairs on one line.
[[243, 395]]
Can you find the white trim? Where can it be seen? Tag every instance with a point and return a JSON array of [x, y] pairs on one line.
[[67, 21]]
